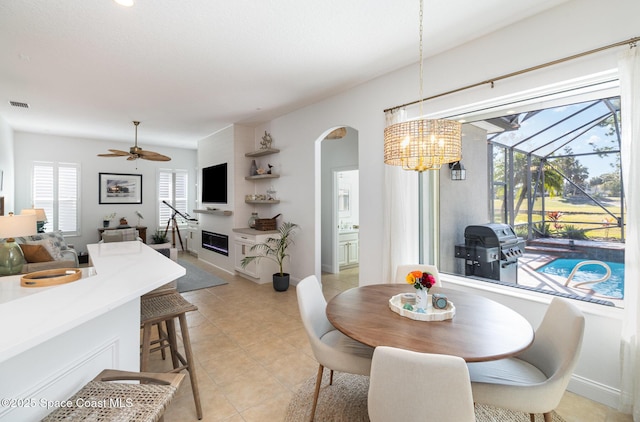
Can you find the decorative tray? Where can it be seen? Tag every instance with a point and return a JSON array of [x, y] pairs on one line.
[[430, 313], [53, 277]]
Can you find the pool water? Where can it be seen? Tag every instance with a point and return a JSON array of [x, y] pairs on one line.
[[613, 287]]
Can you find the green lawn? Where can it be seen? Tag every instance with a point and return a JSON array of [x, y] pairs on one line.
[[578, 213]]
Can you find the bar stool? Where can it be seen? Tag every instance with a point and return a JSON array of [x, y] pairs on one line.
[[165, 307], [104, 400]]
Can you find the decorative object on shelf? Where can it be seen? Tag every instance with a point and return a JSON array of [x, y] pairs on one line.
[[275, 249], [266, 141], [12, 226], [136, 152], [265, 224], [271, 193], [252, 220], [270, 167], [254, 168], [41, 217], [422, 281], [119, 188], [140, 217], [123, 221], [107, 219]]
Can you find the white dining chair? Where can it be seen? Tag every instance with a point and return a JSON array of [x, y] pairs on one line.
[[331, 348], [535, 380], [410, 386], [404, 269]]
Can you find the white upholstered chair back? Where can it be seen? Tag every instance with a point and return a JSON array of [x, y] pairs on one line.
[[535, 380], [410, 386]]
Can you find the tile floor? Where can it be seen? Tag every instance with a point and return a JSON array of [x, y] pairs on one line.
[[252, 353]]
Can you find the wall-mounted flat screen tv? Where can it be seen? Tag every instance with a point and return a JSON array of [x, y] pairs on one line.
[[214, 184]]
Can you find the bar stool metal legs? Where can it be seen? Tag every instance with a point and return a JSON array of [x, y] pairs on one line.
[[167, 307]]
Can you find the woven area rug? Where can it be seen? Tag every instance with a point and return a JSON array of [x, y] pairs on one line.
[[346, 401], [196, 278]]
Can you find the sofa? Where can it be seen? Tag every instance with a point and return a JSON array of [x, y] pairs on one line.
[[46, 251]]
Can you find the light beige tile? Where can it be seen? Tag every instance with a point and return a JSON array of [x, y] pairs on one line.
[[248, 366]]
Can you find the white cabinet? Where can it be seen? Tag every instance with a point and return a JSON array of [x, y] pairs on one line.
[[260, 271], [348, 249], [193, 238]]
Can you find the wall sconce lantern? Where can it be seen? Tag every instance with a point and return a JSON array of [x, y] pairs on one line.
[[457, 171]]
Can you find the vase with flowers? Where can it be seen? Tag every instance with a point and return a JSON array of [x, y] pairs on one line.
[[422, 281]]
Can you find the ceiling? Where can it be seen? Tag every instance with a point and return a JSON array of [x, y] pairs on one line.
[[186, 69]]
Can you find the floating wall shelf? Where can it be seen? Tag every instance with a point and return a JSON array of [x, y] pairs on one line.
[[215, 212], [262, 176], [263, 201], [261, 152]]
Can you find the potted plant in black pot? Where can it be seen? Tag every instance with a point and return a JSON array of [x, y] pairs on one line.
[[275, 249]]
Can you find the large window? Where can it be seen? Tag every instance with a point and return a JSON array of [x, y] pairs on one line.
[[555, 177], [172, 189], [55, 188]]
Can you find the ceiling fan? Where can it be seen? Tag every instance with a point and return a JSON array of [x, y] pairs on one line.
[[136, 152]]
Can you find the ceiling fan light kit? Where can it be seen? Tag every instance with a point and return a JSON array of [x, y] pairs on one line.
[[136, 152]]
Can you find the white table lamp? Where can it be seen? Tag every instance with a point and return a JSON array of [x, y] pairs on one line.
[[11, 226]]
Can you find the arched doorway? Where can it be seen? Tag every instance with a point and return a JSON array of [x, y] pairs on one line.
[[337, 213]]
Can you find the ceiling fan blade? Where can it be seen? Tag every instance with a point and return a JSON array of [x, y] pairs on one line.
[[151, 155], [155, 157], [114, 153]]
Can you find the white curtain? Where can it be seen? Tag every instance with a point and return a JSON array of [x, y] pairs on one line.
[[629, 67], [400, 221]]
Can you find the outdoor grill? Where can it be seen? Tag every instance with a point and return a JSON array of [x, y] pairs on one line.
[[491, 251]]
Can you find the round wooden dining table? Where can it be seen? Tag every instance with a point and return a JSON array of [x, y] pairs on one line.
[[480, 330]]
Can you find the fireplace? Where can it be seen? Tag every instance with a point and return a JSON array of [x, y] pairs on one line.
[[216, 242]]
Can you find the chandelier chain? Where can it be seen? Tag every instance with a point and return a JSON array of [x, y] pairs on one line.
[[420, 55]]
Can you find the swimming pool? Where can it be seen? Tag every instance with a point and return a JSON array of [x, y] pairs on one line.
[[613, 287]]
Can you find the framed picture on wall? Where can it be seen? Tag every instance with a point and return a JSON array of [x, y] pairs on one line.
[[118, 188]]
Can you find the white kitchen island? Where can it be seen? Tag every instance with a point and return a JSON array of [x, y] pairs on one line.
[[55, 339]]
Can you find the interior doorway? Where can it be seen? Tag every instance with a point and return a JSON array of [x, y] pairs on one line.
[[339, 204]]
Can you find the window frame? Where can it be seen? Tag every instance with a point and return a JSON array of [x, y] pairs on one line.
[[54, 210], [164, 213]]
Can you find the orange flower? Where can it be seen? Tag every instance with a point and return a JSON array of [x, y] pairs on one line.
[[413, 276]]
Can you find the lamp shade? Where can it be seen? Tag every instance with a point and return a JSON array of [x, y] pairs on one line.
[[39, 212], [17, 225], [423, 144]]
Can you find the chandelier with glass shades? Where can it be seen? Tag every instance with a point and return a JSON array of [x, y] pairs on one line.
[[424, 144]]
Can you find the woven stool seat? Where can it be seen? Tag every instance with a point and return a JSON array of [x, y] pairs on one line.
[[103, 400], [158, 308], [165, 308]]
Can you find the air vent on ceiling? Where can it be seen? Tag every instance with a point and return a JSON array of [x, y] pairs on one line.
[[19, 104]]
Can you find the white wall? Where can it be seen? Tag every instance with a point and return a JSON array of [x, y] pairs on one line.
[[6, 165], [31, 147], [463, 202]]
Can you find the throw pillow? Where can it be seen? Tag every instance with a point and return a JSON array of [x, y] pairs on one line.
[[35, 253], [51, 247], [56, 236]]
